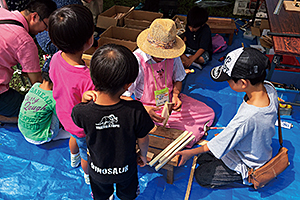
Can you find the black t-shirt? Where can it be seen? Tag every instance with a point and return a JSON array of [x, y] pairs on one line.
[[199, 39], [111, 134]]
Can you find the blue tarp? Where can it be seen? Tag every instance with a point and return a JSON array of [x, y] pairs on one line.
[[44, 172]]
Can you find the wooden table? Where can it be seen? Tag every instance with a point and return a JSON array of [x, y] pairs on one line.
[[159, 138], [284, 22]]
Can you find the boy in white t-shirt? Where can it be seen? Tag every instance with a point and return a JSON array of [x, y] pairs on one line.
[[246, 141]]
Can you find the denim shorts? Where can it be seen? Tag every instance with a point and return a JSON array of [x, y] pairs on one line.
[[81, 143], [10, 103], [54, 127], [191, 51]]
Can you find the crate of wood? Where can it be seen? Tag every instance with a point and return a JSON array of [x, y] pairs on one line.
[[114, 16], [159, 138], [141, 19]]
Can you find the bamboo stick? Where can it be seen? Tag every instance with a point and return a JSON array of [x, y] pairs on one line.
[[174, 152], [175, 146], [167, 148], [188, 190]]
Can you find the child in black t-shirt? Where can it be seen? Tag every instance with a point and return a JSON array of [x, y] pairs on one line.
[[113, 125], [197, 39]]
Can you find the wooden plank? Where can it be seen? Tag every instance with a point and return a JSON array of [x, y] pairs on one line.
[[170, 151], [291, 6], [167, 148], [178, 149], [170, 133], [166, 112], [285, 22], [160, 143], [173, 161]]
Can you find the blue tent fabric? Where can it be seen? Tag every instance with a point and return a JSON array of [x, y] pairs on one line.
[[44, 172]]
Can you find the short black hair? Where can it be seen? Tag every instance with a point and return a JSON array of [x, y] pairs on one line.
[[45, 76], [256, 80], [197, 16], [112, 66], [70, 27], [44, 8]]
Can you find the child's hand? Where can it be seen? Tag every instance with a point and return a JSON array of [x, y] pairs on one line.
[[89, 95], [177, 103], [185, 156], [141, 160], [188, 62], [155, 117]]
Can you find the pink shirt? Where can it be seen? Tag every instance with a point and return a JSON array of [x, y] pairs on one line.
[[16, 46], [69, 83]]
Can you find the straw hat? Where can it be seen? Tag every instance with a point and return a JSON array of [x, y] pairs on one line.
[[160, 40]]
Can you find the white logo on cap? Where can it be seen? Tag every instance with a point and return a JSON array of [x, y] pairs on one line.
[[226, 64]]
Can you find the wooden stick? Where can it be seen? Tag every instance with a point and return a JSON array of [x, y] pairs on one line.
[[167, 148], [188, 189], [166, 112], [174, 152], [175, 147]]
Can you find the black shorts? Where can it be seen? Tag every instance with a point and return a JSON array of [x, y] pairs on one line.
[[212, 172], [126, 190], [10, 103]]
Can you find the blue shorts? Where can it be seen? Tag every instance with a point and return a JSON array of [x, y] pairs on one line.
[[10, 103], [81, 143]]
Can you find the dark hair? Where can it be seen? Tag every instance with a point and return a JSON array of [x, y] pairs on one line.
[[44, 8], [70, 27], [112, 66], [256, 80], [197, 16], [45, 76]]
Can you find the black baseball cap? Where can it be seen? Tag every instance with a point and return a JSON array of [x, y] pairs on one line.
[[241, 63]]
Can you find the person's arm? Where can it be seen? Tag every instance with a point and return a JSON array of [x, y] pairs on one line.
[[35, 77], [192, 58], [143, 145], [176, 91], [187, 154]]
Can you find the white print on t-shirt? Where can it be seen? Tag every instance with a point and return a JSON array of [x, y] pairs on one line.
[[108, 122], [109, 171]]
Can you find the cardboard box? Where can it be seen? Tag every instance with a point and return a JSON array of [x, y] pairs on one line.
[[259, 26], [121, 33], [105, 40], [109, 17], [182, 18], [180, 22], [135, 27], [141, 18]]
